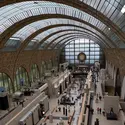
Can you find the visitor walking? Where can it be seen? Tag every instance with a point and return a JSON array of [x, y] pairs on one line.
[[103, 112], [92, 110], [100, 110], [63, 110], [100, 97], [58, 101], [97, 121]]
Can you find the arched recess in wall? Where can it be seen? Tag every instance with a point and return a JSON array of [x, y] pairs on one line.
[[34, 73], [50, 64], [42, 69], [6, 83], [123, 89], [118, 83], [46, 66], [113, 68], [55, 62], [21, 79]]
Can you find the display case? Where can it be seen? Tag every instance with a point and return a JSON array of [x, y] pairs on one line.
[[4, 102], [27, 119], [35, 113], [45, 103]]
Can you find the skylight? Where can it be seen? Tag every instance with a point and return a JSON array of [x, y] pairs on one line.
[[123, 9]]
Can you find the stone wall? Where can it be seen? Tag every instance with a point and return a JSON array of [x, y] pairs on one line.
[[11, 61], [115, 60]]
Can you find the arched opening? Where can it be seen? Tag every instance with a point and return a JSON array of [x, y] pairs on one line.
[[34, 73], [21, 79], [118, 83], [49, 65], [43, 69], [5, 83], [45, 66]]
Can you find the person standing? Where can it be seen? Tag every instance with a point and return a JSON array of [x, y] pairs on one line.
[[97, 121], [58, 101], [63, 110], [100, 110], [69, 109], [103, 112], [92, 110], [22, 103], [100, 97]]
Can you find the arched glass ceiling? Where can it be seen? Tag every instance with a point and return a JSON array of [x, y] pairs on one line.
[[62, 41], [69, 36], [53, 32], [110, 8], [65, 21], [81, 39], [71, 39], [16, 12], [19, 11], [33, 27], [76, 37], [53, 40]]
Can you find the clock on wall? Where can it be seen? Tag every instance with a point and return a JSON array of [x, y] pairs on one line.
[[81, 57]]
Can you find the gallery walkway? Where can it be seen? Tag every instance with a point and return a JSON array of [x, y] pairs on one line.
[[102, 119]]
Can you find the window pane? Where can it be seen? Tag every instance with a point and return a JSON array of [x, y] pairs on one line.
[[92, 50]]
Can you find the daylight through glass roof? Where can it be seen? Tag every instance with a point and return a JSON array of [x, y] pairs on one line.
[[14, 13]]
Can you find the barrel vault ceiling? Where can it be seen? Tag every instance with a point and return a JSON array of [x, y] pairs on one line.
[[51, 24]]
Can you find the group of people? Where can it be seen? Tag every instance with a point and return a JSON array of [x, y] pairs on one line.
[[99, 111], [98, 97]]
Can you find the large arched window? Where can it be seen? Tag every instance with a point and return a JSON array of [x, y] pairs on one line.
[[92, 51], [5, 82], [34, 72], [21, 79]]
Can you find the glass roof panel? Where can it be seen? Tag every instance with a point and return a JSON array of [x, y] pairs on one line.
[[66, 42], [33, 27], [46, 33], [108, 8], [16, 12], [13, 13], [61, 38]]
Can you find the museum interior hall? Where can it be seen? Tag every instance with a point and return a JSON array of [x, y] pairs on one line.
[[62, 62]]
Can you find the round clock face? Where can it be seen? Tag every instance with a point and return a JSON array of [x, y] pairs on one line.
[[81, 57]]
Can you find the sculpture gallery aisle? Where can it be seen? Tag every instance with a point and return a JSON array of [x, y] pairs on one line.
[[102, 119]]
